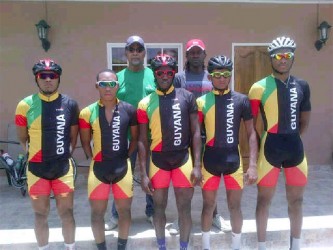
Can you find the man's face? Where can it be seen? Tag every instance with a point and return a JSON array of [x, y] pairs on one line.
[[282, 61], [48, 82], [196, 56], [164, 77], [135, 54], [106, 86], [220, 79]]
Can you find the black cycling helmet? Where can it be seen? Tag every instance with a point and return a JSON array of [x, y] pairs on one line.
[[46, 64], [219, 62], [163, 60], [281, 43]]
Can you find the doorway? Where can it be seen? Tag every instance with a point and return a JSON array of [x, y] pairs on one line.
[[251, 63]]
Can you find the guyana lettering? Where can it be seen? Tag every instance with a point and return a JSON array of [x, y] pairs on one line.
[[115, 133], [293, 106], [177, 124], [60, 134], [230, 123]]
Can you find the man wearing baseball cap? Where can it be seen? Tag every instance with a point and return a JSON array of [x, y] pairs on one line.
[[194, 78], [135, 82]]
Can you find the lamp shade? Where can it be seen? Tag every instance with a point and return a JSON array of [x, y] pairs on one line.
[[323, 31], [42, 29]]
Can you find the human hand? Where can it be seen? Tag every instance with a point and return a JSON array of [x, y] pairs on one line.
[[251, 176], [196, 176], [146, 185]]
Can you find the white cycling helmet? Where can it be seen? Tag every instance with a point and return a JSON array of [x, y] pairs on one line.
[[281, 42]]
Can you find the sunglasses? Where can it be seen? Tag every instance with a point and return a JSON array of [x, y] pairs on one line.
[[104, 84], [47, 75], [279, 56], [218, 75], [161, 73], [138, 50]]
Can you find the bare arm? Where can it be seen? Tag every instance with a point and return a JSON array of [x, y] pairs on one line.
[[73, 134], [196, 175], [85, 136], [143, 150], [23, 136], [304, 121], [251, 174]]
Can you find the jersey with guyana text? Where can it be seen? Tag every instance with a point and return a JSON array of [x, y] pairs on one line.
[[168, 116], [221, 115], [110, 140], [280, 103], [48, 120]]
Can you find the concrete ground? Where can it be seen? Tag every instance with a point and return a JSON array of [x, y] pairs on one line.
[[16, 218]]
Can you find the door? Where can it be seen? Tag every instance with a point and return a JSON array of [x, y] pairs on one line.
[[252, 63]]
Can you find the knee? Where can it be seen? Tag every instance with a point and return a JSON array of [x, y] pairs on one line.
[[263, 202], [234, 207], [296, 202]]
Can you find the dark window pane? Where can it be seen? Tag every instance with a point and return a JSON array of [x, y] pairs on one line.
[[118, 56], [118, 68]]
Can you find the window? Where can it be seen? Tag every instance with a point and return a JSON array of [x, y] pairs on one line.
[[118, 61]]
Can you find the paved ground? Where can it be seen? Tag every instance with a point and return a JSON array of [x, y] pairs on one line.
[[16, 218]]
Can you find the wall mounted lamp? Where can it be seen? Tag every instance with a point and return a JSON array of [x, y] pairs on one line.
[[43, 29], [324, 29]]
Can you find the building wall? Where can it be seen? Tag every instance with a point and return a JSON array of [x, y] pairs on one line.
[[80, 31]]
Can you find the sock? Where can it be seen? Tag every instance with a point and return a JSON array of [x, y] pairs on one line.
[[295, 244], [101, 246], [46, 247], [183, 245], [70, 246], [122, 244], [261, 245], [161, 244], [236, 240], [206, 240]]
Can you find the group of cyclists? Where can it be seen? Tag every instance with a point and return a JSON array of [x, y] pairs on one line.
[[184, 129]]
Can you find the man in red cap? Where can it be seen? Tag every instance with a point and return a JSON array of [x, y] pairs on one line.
[[194, 78]]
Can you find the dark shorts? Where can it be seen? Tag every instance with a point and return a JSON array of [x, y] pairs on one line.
[[218, 161], [284, 150], [110, 171], [49, 170], [170, 160]]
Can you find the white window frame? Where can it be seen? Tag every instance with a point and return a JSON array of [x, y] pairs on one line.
[[179, 46]]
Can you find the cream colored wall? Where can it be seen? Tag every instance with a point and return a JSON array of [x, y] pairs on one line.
[[80, 31]]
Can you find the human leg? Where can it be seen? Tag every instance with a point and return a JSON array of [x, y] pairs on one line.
[[183, 202], [41, 207], [209, 202], [98, 209], [160, 197], [294, 191], [264, 198]]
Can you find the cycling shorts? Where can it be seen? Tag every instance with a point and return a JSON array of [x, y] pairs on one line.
[[282, 151], [59, 180], [222, 161], [105, 175], [179, 175]]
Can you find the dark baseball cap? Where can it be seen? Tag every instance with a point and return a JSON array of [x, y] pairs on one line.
[[134, 39]]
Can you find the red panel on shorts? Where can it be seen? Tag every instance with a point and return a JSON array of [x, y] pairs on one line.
[[231, 183], [270, 179], [101, 192], [118, 193], [295, 177]]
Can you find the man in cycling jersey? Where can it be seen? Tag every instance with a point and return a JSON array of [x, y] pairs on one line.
[[284, 102], [220, 113], [194, 78], [47, 128], [107, 122], [170, 116], [135, 82]]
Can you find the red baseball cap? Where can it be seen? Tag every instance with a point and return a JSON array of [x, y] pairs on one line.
[[195, 43]]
